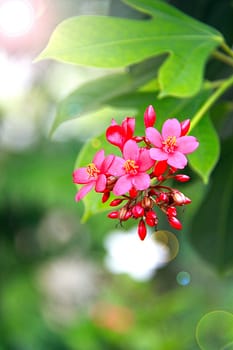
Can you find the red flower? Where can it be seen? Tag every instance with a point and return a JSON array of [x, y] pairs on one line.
[[119, 134]]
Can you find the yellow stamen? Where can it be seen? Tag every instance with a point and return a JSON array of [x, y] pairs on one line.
[[130, 167], [92, 170], [169, 144]]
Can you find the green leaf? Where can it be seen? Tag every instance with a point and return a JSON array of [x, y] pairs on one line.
[[204, 159], [93, 95], [117, 42], [211, 233]]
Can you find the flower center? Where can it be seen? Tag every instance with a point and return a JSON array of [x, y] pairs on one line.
[[169, 145], [92, 170], [130, 167]]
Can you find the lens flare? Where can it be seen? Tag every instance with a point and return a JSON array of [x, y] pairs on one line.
[[168, 240], [16, 17]]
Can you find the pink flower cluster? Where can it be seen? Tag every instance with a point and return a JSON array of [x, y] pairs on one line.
[[137, 177]]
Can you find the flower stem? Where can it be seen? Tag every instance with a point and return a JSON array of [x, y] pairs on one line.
[[210, 101], [222, 57], [227, 49]]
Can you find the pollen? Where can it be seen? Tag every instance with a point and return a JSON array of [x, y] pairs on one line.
[[92, 170], [169, 145], [130, 167]]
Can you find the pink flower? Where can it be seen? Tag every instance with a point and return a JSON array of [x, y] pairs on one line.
[[119, 134], [171, 145], [93, 175], [131, 169]]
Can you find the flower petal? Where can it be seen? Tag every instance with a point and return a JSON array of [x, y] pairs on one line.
[[141, 181], [106, 163], [100, 183], [171, 127], [114, 135], [158, 154], [123, 185], [144, 160], [117, 167], [99, 158], [187, 144], [84, 190], [128, 126], [177, 160], [154, 136], [81, 176], [131, 150]]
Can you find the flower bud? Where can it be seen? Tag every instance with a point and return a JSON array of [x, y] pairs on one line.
[[184, 125], [163, 197], [171, 211], [116, 202], [147, 202], [137, 138], [178, 197], [105, 196], [142, 229], [128, 215], [187, 200], [151, 222], [113, 215], [182, 177], [174, 222], [160, 168], [149, 116], [133, 192], [151, 214], [122, 213], [137, 211]]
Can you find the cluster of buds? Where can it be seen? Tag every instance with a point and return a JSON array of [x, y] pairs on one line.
[[137, 177]]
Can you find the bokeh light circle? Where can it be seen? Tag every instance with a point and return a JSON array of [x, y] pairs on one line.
[[215, 331], [183, 278], [169, 240], [16, 17]]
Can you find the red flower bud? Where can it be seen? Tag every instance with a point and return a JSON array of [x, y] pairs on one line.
[[137, 211], [174, 222], [178, 197], [151, 222], [163, 197], [137, 138], [182, 177], [142, 229], [185, 125], [105, 196], [187, 200], [151, 214], [149, 116], [160, 168], [133, 192], [113, 215], [116, 202], [128, 215], [171, 211]]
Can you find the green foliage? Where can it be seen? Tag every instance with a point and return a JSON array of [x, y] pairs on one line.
[[163, 59], [115, 42]]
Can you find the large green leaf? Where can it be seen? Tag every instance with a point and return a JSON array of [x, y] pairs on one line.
[[117, 42], [93, 95], [165, 108], [211, 233]]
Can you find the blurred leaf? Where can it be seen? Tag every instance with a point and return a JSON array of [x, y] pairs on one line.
[[204, 159], [211, 233], [116, 42], [94, 94]]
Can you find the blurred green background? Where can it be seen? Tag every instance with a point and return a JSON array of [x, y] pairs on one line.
[[65, 285]]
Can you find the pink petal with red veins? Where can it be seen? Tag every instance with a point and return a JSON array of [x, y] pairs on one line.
[[154, 137], [144, 160], [81, 176], [158, 154], [84, 190], [141, 181], [100, 183], [177, 160], [131, 150], [106, 163], [171, 127], [123, 185], [187, 144], [117, 167], [114, 135], [99, 158]]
